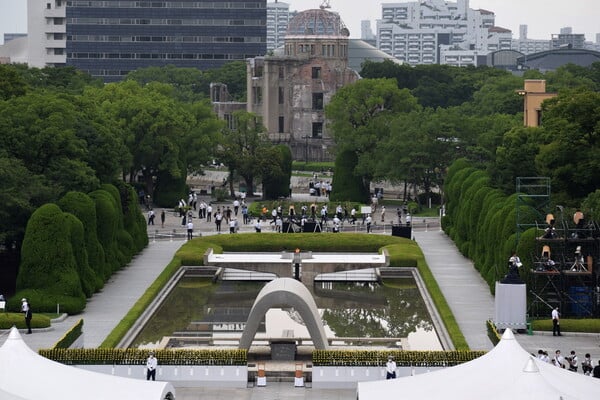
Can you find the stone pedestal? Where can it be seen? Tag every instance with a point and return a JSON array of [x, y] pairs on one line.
[[283, 350]]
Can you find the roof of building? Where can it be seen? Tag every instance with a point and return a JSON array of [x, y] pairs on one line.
[[317, 22], [499, 29], [360, 51], [552, 59]]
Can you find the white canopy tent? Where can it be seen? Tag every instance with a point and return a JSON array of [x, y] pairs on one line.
[[506, 372], [25, 375]]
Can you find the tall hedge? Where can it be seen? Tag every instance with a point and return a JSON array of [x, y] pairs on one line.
[[83, 207], [107, 227], [133, 219], [482, 221], [49, 272], [347, 186]]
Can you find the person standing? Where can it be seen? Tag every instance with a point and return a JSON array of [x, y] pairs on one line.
[[208, 213], [390, 368], [368, 221], [26, 309], [163, 216], [218, 218], [190, 230], [151, 364], [382, 213], [151, 217], [555, 322]]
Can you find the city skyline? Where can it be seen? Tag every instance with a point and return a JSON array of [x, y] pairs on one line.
[[543, 17]]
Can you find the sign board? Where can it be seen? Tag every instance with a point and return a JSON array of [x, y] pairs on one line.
[[365, 210]]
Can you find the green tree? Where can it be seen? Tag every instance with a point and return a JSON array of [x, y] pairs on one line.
[[276, 172], [243, 147], [571, 144], [12, 83], [360, 114]]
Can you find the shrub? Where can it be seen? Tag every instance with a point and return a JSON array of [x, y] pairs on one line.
[[8, 320], [346, 184], [48, 261], [82, 206], [70, 336]]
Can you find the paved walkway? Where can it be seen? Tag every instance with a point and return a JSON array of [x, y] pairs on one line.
[[466, 292]]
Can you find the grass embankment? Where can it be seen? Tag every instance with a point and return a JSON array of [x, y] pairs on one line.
[[403, 253], [569, 325]]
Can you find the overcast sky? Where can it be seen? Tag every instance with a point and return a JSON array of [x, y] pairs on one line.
[[543, 17]]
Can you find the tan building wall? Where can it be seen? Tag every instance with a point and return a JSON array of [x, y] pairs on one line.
[[534, 94]]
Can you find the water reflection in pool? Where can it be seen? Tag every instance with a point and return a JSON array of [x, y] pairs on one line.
[[199, 308]]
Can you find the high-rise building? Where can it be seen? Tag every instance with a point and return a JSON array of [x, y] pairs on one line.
[[566, 38], [110, 38], [366, 33], [278, 17], [529, 46], [439, 32]]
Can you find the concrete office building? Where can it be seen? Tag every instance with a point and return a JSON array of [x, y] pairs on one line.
[[278, 17], [439, 32], [290, 88], [529, 46], [109, 39]]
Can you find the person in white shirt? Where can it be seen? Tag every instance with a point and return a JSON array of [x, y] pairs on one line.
[[232, 224], [390, 368], [368, 221], [257, 226], [555, 322], [190, 230], [573, 361], [151, 364], [558, 360]]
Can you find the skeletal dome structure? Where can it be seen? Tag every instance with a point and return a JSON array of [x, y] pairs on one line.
[[317, 22]]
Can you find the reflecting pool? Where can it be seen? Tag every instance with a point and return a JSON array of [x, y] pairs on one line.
[[199, 308]]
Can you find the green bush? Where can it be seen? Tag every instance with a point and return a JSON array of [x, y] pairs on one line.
[[347, 185], [403, 358], [48, 261], [82, 206], [107, 225]]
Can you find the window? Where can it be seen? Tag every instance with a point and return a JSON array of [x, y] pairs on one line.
[[317, 130], [317, 101], [281, 95], [48, 6], [281, 125], [281, 72], [257, 92], [316, 72]]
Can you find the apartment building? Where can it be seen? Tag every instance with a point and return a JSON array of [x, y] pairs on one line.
[[439, 32]]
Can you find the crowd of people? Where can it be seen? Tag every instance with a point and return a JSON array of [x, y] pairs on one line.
[[571, 362]]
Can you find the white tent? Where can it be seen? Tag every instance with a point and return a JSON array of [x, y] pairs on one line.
[[506, 372], [25, 375]]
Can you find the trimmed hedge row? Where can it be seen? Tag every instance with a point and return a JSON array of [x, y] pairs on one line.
[[71, 248], [403, 358], [403, 253], [139, 356], [481, 221], [70, 336]]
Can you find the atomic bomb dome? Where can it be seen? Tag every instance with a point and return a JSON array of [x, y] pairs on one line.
[[317, 22]]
